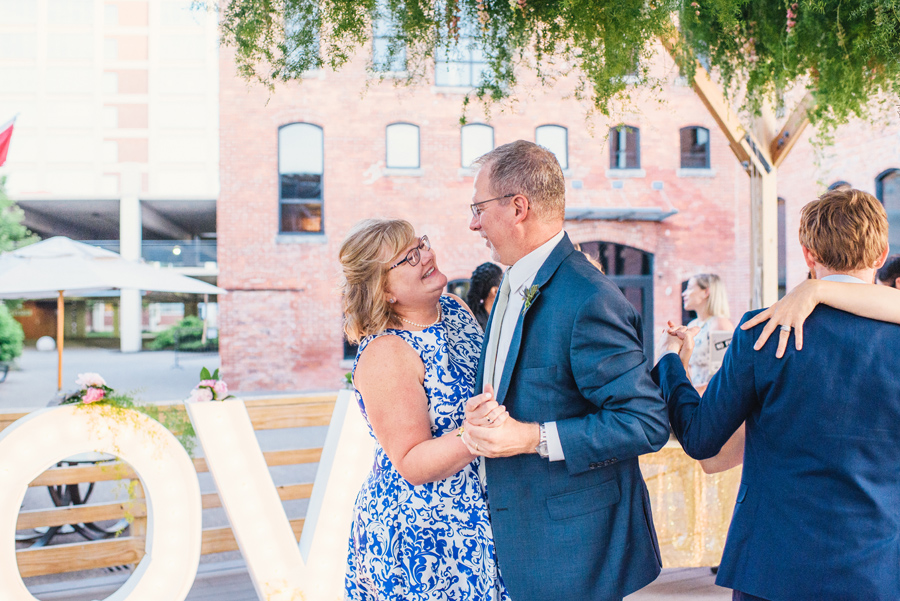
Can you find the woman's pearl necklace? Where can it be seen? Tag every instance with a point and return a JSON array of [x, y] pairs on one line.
[[421, 325]]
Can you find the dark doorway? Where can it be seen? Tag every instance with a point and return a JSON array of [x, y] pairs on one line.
[[631, 269]]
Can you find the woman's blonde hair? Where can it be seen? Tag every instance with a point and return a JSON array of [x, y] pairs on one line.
[[717, 302], [365, 256]]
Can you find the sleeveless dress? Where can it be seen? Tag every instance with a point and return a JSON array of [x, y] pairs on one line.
[[432, 541], [701, 357]]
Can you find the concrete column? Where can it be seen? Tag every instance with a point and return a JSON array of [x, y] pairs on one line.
[[130, 248]]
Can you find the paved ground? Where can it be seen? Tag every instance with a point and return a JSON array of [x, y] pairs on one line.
[[230, 582], [149, 375]]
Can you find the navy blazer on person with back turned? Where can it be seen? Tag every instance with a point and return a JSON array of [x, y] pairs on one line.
[[579, 529], [818, 510]]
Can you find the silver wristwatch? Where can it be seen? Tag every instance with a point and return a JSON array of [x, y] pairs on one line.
[[541, 449]]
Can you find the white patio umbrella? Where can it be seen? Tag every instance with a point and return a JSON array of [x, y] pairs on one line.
[[60, 267]]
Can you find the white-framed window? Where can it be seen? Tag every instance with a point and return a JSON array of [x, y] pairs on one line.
[[462, 64], [387, 56], [301, 166], [401, 146], [475, 139], [694, 147], [624, 147], [554, 138]]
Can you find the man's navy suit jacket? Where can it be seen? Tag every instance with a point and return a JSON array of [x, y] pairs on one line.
[[578, 529], [818, 510]]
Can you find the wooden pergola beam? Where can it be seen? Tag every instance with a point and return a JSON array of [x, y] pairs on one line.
[[782, 144]]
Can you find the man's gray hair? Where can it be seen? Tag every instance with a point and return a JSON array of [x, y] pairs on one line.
[[525, 168]]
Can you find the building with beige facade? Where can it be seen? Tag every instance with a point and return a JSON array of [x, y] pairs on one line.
[[116, 140]]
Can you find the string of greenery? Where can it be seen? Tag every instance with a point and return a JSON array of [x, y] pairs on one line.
[[845, 53]]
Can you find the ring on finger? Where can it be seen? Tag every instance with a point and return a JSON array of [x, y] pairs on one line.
[[476, 446], [490, 421], [786, 329]]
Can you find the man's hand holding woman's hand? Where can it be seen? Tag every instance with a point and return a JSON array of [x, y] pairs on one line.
[[484, 411], [681, 340], [490, 432]]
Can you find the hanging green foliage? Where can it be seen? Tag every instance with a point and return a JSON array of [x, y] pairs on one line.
[[845, 53]]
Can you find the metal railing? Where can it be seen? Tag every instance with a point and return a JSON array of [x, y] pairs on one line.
[[172, 253]]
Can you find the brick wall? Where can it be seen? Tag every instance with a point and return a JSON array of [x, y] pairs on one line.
[[862, 150]]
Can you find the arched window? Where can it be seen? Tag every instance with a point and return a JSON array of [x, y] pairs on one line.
[[402, 146], [475, 140], [301, 166], [624, 147], [887, 189], [839, 185], [631, 269], [694, 148], [554, 138]]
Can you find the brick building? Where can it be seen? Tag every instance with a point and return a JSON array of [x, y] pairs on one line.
[[116, 142], [864, 155], [658, 200]]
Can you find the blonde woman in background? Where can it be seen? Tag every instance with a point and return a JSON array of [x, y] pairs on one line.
[[705, 294]]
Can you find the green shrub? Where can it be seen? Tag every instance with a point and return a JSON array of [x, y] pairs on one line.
[[190, 333], [11, 335]]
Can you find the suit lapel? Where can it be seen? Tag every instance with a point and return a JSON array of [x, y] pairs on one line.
[[559, 254]]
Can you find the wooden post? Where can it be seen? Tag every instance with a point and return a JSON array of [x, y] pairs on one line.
[[60, 336], [764, 236]]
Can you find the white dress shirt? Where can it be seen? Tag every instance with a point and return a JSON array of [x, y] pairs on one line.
[[840, 277], [521, 275]]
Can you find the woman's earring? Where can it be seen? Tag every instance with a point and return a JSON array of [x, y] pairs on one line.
[[392, 300]]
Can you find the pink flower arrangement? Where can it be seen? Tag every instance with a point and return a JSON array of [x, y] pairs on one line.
[[90, 380], [200, 395], [92, 395], [92, 388], [210, 388]]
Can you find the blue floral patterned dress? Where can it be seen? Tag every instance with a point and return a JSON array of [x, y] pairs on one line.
[[433, 541]]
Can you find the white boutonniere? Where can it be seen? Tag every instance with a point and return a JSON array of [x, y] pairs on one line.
[[529, 296]]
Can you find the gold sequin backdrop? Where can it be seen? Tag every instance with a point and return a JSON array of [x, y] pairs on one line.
[[691, 510]]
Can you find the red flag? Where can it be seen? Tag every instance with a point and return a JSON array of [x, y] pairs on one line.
[[5, 136]]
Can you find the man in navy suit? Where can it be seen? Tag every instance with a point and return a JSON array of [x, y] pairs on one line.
[[563, 351], [818, 510]]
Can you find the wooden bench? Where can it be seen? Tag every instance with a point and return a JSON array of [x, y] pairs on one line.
[[267, 413]]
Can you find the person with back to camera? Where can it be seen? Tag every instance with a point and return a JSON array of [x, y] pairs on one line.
[[420, 529], [816, 515], [889, 274], [872, 301], [705, 295], [483, 290]]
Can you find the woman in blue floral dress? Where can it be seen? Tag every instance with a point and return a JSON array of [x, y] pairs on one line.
[[421, 529]]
